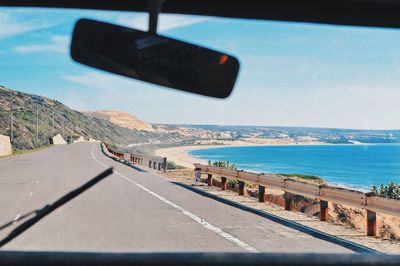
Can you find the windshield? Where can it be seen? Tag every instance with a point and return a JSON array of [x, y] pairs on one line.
[[302, 157]]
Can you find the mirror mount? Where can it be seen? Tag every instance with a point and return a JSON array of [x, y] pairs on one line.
[[154, 7]]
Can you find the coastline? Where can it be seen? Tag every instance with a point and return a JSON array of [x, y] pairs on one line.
[[180, 155]]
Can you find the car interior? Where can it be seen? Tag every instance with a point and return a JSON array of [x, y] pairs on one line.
[[151, 57]]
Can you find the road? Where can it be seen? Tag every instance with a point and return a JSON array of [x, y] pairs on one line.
[[129, 211]]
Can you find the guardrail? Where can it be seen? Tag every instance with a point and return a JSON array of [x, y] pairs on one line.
[[371, 202], [154, 162]]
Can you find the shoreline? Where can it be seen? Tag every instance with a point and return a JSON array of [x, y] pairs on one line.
[[180, 154]]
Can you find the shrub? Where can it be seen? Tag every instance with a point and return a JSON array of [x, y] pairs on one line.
[[223, 164], [232, 183], [306, 177], [391, 190], [171, 165]]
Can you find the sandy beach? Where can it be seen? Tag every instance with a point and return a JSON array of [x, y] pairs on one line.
[[180, 155]]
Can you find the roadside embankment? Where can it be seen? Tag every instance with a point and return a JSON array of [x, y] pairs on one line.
[[345, 222]]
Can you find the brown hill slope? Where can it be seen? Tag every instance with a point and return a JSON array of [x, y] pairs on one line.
[[125, 120]]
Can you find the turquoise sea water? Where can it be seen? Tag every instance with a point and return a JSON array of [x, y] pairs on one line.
[[355, 166]]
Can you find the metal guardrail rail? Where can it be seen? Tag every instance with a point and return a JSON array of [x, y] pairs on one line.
[[371, 202], [154, 162]]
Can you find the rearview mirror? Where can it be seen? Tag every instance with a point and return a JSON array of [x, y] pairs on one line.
[[154, 58]]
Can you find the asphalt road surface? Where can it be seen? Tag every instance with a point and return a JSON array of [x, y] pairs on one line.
[[130, 211]]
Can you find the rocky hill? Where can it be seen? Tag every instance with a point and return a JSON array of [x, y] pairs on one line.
[[34, 115], [123, 119]]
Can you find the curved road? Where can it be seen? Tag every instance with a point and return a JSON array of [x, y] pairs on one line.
[[129, 211]]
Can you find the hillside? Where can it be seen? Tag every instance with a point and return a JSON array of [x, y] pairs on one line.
[[68, 122], [123, 119]]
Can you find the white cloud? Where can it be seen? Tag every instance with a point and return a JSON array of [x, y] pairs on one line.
[[99, 80], [166, 22], [58, 44], [11, 26]]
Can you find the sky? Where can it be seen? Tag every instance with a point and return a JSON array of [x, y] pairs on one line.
[[291, 74]]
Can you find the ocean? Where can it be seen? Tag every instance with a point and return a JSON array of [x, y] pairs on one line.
[[354, 166]]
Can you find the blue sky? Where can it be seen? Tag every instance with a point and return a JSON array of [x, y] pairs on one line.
[[292, 74]]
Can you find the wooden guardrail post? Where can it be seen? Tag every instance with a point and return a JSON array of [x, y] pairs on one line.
[[371, 223], [165, 164], [261, 193], [209, 180], [127, 157], [223, 183], [241, 188], [288, 201], [324, 211]]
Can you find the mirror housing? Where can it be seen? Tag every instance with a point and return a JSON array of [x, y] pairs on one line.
[[153, 58]]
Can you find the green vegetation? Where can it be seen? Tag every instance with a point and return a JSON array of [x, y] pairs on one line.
[[233, 183], [171, 165], [223, 164], [17, 152], [216, 143], [391, 190], [305, 177]]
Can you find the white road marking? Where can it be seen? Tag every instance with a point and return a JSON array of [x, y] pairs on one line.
[[192, 216], [16, 218], [31, 194]]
